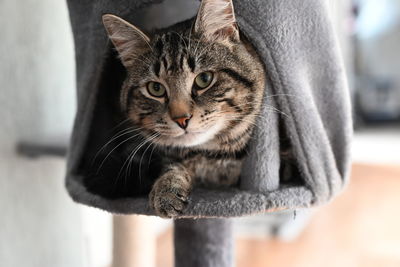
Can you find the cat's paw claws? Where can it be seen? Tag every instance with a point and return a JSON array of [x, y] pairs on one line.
[[168, 202]]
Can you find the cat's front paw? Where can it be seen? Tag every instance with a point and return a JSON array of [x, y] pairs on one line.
[[169, 197]]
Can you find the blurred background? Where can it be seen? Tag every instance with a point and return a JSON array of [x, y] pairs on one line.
[[41, 226]]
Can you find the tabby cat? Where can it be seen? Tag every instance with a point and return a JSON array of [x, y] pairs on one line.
[[194, 90]]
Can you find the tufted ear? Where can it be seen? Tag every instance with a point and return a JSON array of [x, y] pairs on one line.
[[129, 41], [216, 20]]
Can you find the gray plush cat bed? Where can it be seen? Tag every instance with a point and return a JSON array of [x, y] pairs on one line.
[[305, 83]]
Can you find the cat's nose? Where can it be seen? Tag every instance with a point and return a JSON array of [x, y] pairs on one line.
[[182, 121]]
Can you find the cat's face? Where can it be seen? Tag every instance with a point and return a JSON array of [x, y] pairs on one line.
[[191, 83]]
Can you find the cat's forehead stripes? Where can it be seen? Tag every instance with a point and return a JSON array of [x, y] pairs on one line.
[[171, 51]]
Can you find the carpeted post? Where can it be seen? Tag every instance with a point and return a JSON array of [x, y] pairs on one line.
[[203, 243]]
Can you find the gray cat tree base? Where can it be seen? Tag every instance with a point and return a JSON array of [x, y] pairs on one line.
[[203, 243], [306, 83]]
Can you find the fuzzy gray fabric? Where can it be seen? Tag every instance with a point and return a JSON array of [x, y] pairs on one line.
[[306, 83], [203, 243]]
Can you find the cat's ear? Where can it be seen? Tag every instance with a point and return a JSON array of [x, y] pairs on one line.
[[129, 41], [216, 20]]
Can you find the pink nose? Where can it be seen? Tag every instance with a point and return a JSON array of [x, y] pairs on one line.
[[183, 121]]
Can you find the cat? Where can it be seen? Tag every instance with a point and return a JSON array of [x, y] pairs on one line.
[[194, 90]]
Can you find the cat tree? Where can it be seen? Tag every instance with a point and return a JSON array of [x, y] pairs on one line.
[[306, 82]]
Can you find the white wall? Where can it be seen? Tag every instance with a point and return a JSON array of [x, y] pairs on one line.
[[39, 224]]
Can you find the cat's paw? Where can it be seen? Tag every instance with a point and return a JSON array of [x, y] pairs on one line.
[[168, 198]]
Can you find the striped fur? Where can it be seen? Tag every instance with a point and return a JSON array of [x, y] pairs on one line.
[[210, 150]]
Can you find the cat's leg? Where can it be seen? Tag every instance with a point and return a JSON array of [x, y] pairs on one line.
[[170, 192]]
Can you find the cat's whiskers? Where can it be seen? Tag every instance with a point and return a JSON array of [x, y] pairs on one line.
[[144, 152], [120, 124], [248, 116], [130, 158], [249, 122], [266, 106], [238, 117], [238, 106], [151, 154], [272, 108], [121, 143], [115, 137], [123, 165]]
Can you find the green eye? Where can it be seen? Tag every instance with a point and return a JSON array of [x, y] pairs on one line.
[[156, 89], [204, 79]]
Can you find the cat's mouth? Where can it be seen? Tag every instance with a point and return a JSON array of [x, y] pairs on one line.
[[190, 134], [193, 132], [188, 138], [192, 138]]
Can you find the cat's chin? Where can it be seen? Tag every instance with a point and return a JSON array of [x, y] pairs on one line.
[[190, 138]]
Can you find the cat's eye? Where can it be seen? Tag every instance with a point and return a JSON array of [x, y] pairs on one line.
[[203, 80], [156, 89]]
